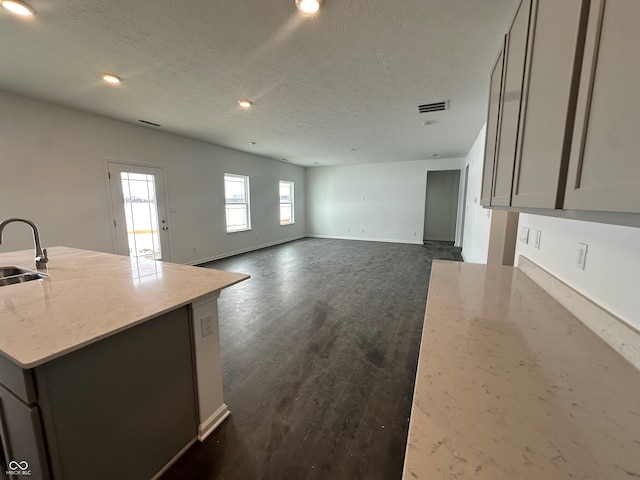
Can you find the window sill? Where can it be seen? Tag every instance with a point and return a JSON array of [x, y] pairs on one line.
[[285, 224], [240, 230]]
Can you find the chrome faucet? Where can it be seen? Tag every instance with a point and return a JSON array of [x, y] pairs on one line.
[[41, 255]]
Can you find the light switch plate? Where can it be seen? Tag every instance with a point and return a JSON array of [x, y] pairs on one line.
[[524, 234], [581, 259], [206, 323], [538, 237]]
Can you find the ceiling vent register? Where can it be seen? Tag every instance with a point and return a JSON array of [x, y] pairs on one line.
[[433, 107], [150, 123]]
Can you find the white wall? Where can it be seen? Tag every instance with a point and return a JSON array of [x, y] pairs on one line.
[[52, 171], [477, 224], [379, 202], [612, 272]]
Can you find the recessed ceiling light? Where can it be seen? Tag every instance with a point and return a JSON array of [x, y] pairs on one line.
[[245, 103], [435, 155], [429, 122], [285, 160], [19, 8], [308, 6], [111, 78], [353, 149], [252, 143], [316, 163]]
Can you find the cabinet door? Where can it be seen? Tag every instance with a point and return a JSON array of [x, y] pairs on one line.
[[511, 102], [604, 167], [21, 435], [123, 407], [550, 90], [493, 121]]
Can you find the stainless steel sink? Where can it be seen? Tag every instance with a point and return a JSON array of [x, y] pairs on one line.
[[12, 274]]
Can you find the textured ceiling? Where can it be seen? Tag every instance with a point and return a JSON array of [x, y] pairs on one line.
[[339, 88]]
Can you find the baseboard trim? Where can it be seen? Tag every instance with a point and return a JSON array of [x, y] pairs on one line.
[[617, 333], [207, 427], [368, 239], [244, 250], [463, 257]]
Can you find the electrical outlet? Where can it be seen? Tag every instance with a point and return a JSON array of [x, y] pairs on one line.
[[581, 259], [538, 237], [206, 323], [524, 234]]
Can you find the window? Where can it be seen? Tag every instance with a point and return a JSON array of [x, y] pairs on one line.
[[236, 199], [286, 202]]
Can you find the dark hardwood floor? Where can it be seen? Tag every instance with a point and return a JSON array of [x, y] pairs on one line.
[[319, 352]]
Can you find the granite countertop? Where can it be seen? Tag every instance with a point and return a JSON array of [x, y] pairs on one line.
[[89, 296], [510, 385]]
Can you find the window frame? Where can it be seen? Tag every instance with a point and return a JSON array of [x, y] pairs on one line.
[[291, 203], [246, 203]]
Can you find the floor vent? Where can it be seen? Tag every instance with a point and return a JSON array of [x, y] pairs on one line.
[[150, 123], [433, 107]]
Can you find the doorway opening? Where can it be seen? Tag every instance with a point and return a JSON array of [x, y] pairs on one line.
[[441, 206], [464, 205]]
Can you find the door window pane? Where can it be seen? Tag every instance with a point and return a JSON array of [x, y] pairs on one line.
[[141, 214]]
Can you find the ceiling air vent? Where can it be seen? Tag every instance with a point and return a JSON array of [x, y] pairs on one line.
[[150, 123], [433, 107]]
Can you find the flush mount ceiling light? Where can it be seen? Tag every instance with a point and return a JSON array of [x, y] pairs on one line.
[[252, 143], [308, 6], [245, 103], [111, 78], [18, 7]]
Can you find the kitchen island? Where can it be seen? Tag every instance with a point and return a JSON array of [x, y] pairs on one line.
[[110, 366], [510, 385]]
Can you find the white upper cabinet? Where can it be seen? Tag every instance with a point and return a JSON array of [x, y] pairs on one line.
[[493, 121], [548, 102], [568, 134], [604, 167], [511, 97]]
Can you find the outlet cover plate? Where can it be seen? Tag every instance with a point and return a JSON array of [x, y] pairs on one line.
[[538, 237], [206, 323], [581, 258]]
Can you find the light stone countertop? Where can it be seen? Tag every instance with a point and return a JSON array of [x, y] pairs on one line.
[[89, 296], [511, 386]]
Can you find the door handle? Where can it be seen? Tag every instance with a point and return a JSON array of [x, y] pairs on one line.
[[165, 228]]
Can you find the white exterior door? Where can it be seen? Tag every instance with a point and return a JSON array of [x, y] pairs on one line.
[[139, 211]]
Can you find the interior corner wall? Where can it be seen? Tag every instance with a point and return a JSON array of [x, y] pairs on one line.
[[477, 224], [382, 202], [52, 171], [611, 277]]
